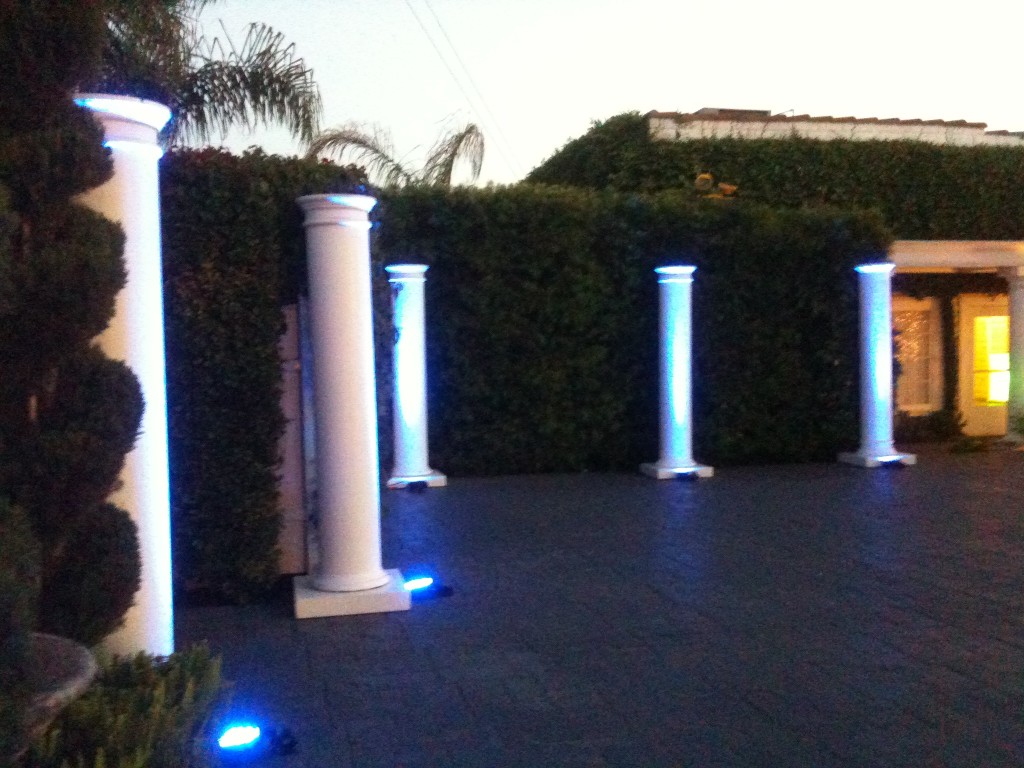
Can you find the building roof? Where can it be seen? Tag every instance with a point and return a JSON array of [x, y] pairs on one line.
[[761, 123]]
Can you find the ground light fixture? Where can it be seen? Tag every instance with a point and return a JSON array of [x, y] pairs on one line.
[[426, 588], [247, 742]]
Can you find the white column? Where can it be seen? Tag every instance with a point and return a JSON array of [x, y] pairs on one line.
[[349, 578], [675, 285], [410, 377], [876, 383], [1015, 406], [136, 336]]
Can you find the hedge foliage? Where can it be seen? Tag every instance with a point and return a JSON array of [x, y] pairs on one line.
[[233, 255], [19, 594], [141, 712], [68, 413], [542, 333], [922, 191], [542, 324]]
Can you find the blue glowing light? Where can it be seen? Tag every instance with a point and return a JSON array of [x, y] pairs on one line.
[[239, 737], [419, 583], [867, 268], [126, 107]]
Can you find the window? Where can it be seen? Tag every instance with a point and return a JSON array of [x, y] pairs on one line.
[[917, 347]]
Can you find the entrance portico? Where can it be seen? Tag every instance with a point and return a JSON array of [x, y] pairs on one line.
[[1003, 257]]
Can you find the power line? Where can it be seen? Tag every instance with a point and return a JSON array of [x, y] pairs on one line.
[[483, 101], [458, 83]]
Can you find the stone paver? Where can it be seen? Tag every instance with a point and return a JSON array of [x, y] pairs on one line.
[[817, 615]]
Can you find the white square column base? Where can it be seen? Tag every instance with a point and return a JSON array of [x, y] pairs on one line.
[[870, 461], [312, 603], [661, 472], [433, 480]]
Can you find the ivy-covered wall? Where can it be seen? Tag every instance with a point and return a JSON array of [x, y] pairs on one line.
[[922, 191]]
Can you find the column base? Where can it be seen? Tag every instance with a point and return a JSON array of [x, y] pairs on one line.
[[433, 479], [661, 471], [870, 460], [311, 603]]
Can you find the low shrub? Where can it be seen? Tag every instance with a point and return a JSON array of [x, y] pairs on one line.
[[139, 713], [87, 596], [19, 588], [928, 428]]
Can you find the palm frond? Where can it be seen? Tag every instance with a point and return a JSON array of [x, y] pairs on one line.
[[373, 150], [264, 82], [464, 145]]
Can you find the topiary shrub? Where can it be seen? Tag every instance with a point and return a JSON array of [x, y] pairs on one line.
[[86, 596], [19, 588], [68, 415]]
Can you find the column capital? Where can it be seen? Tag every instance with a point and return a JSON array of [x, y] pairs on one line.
[[346, 210], [675, 273], [877, 268], [398, 273], [126, 118]]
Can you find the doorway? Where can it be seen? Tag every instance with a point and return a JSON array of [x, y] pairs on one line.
[[984, 363]]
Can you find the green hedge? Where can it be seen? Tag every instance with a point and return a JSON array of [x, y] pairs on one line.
[[232, 256], [542, 324], [923, 191]]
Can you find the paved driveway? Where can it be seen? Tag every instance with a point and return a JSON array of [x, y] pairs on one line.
[[815, 615]]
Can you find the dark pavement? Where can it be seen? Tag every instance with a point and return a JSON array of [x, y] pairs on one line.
[[815, 615]]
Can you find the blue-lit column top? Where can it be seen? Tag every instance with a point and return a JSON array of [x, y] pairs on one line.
[[411, 462], [876, 378], [135, 335], [128, 123], [675, 285]]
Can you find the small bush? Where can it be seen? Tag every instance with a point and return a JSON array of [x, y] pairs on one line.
[[928, 428], [88, 595], [19, 587], [140, 713]]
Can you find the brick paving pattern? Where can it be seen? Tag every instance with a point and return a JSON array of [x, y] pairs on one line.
[[816, 615]]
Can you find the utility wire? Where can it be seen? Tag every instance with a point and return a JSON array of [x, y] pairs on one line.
[[458, 83], [516, 167]]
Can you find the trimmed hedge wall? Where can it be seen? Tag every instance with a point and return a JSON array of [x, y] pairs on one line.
[[232, 253], [542, 334], [922, 191], [542, 324]]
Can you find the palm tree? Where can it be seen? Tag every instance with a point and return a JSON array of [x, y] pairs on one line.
[[155, 49], [375, 151]]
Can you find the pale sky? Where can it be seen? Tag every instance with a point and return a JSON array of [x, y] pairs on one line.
[[535, 73]]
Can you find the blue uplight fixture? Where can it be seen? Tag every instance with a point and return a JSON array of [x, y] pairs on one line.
[[239, 737], [246, 742], [426, 588], [420, 582]]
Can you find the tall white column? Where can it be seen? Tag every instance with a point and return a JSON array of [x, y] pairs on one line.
[[349, 578], [136, 336], [1015, 406], [410, 376], [876, 382], [675, 286]]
